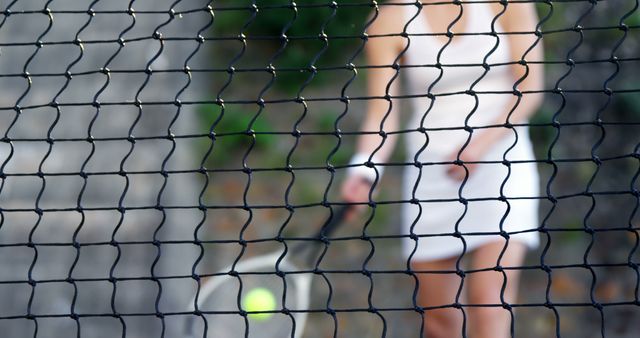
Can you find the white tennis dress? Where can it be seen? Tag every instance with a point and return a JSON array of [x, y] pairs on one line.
[[443, 213]]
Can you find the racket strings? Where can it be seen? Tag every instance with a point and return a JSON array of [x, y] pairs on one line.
[[227, 314]]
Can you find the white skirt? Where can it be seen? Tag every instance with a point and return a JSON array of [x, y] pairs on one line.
[[440, 213]]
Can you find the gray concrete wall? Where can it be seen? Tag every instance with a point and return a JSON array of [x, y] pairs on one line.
[[61, 190]]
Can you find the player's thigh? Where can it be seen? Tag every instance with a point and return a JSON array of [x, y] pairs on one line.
[[489, 287], [485, 283], [439, 286]]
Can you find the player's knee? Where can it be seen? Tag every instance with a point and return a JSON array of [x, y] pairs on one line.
[[489, 321], [445, 323], [433, 331]]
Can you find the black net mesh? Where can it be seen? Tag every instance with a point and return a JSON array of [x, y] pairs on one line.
[[151, 146]]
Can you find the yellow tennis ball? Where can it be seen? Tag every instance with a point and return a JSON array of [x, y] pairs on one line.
[[259, 299]]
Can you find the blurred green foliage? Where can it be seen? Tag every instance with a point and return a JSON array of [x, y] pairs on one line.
[[240, 128], [292, 57], [303, 25], [231, 126]]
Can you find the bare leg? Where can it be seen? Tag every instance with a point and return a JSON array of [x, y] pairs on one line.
[[439, 290], [485, 288]]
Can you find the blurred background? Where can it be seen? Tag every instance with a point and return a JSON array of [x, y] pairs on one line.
[[585, 140]]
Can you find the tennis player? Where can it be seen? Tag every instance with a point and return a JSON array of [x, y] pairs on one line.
[[465, 91]]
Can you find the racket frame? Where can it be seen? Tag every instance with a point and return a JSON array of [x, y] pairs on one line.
[[302, 287], [276, 259]]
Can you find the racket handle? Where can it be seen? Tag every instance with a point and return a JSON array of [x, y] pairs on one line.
[[327, 228], [338, 216]]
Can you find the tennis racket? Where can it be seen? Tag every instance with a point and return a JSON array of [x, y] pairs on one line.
[[271, 278]]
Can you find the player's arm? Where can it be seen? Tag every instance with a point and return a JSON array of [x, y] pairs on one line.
[[520, 17], [381, 52]]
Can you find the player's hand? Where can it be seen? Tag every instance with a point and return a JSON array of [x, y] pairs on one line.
[[458, 172], [355, 189]]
